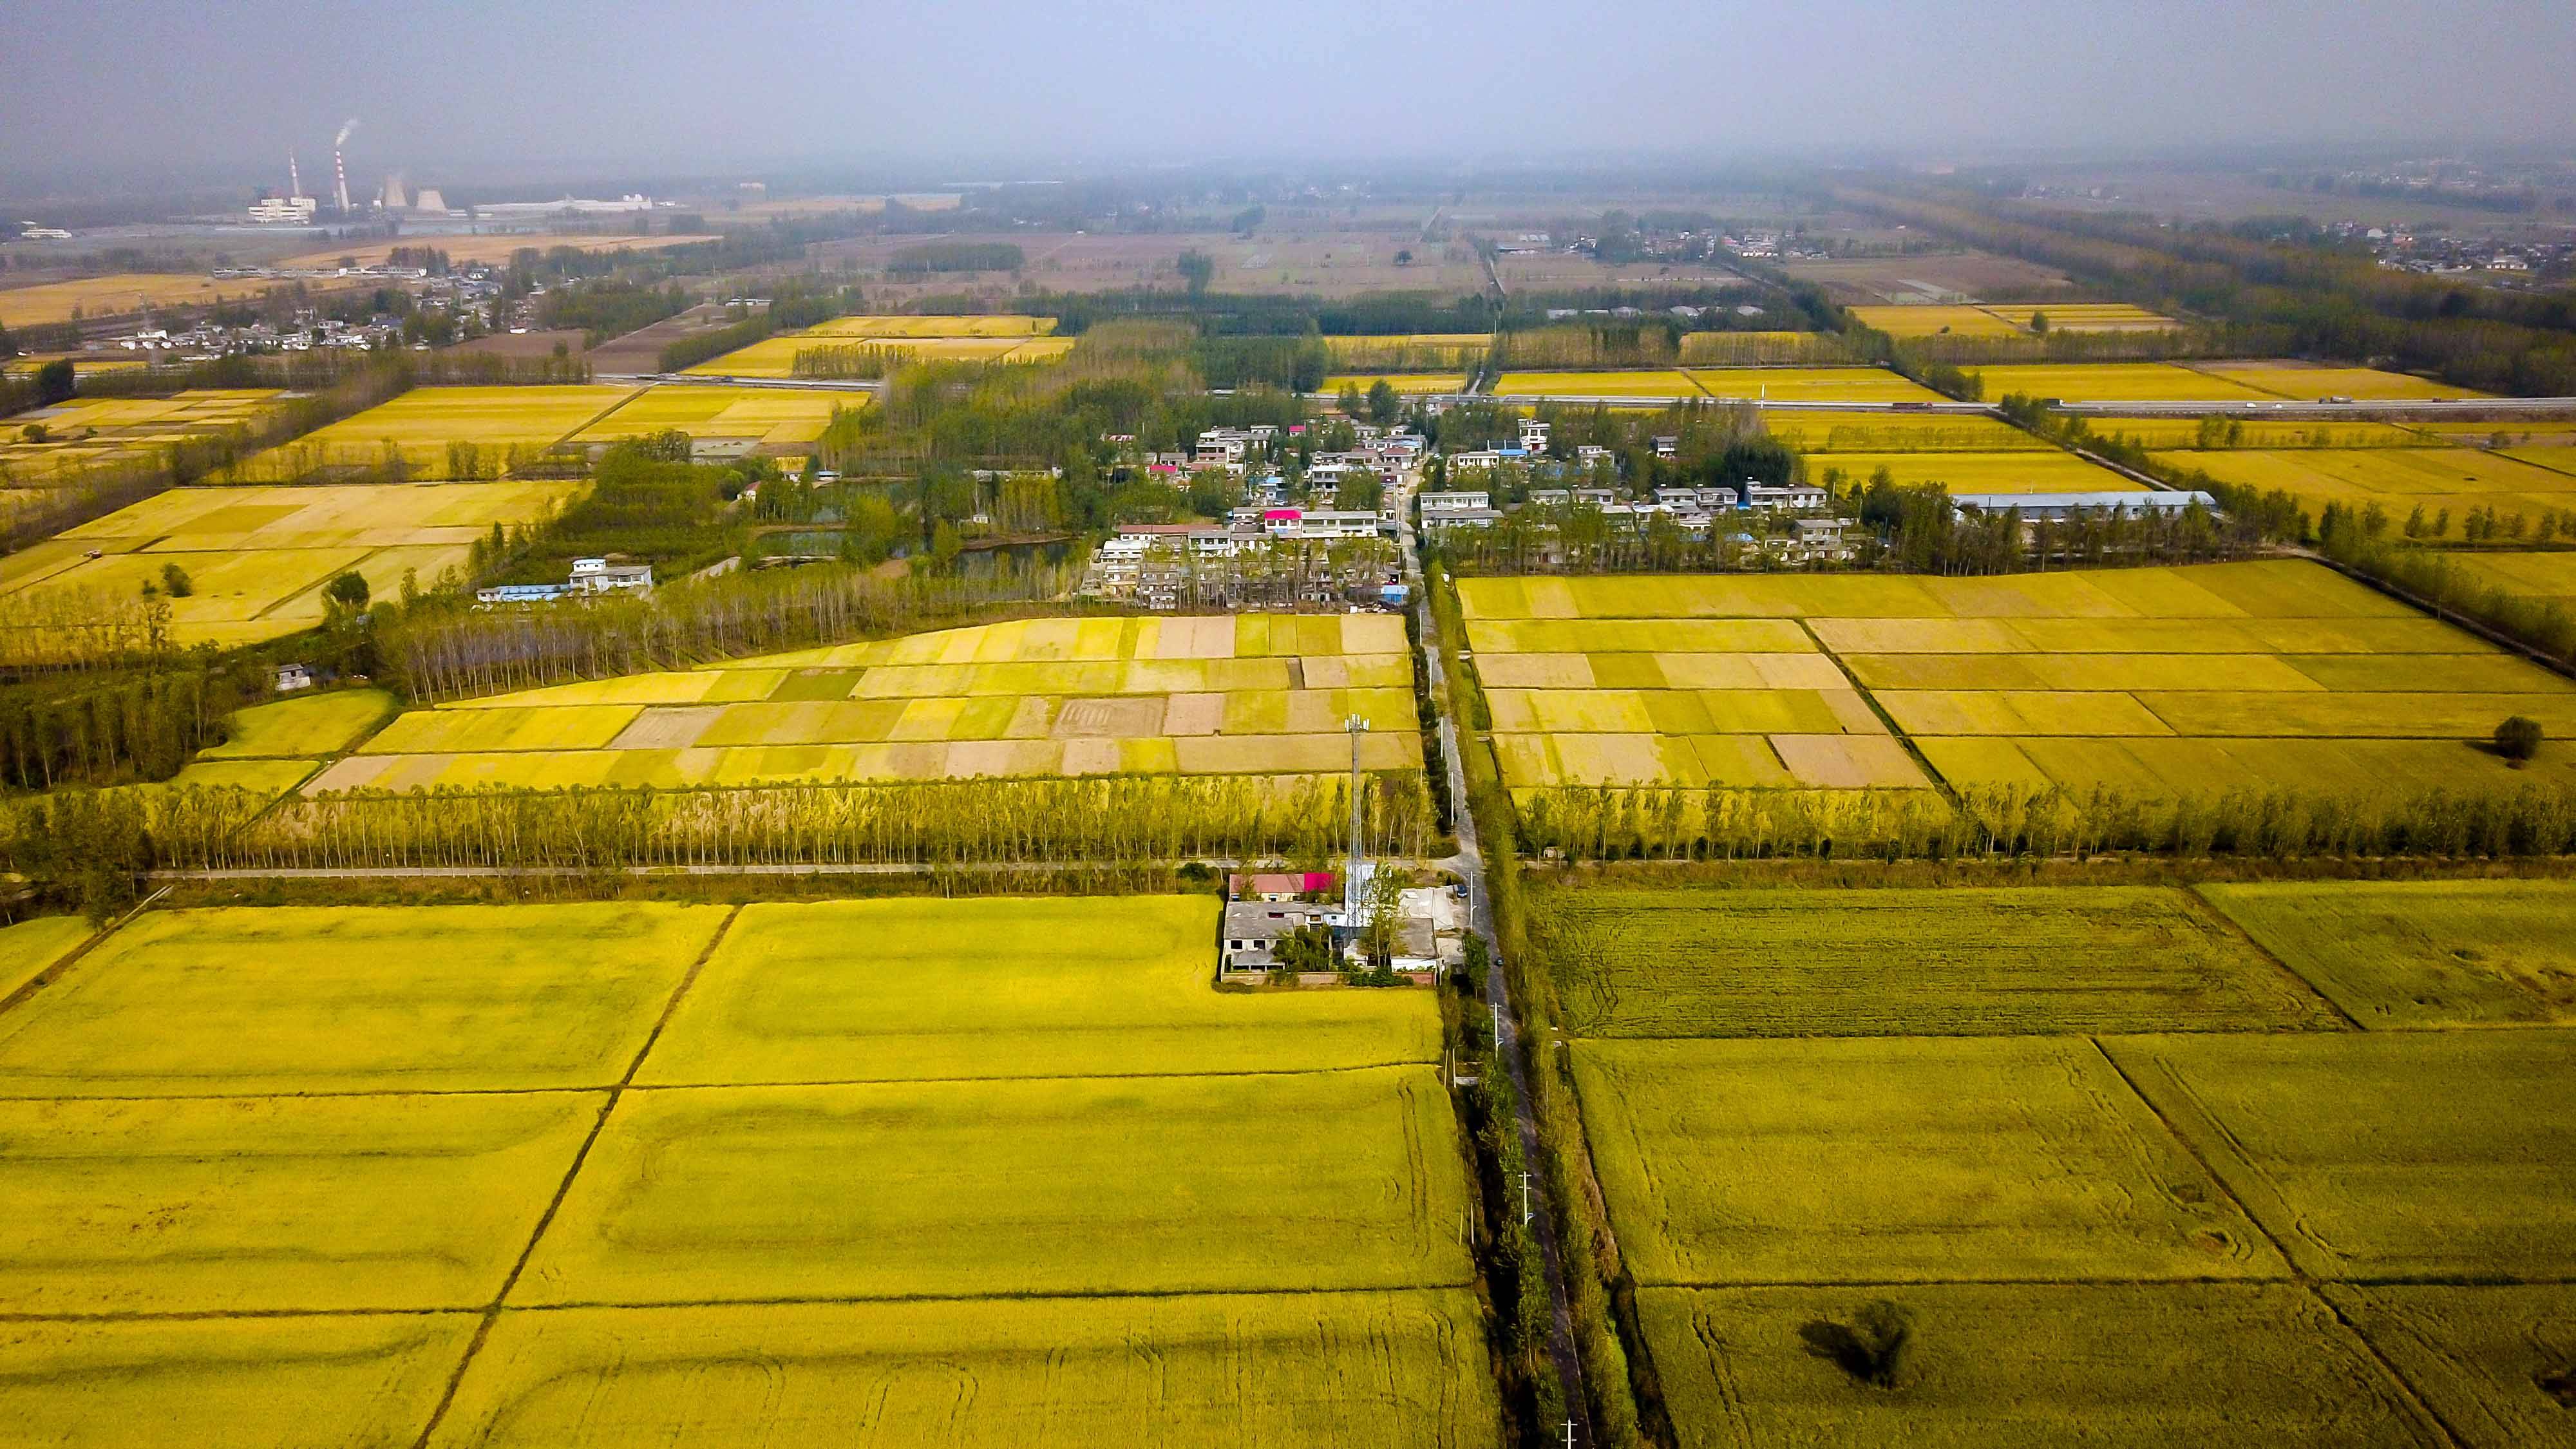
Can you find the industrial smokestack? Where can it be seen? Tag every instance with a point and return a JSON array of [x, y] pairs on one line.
[[294, 183], [339, 166]]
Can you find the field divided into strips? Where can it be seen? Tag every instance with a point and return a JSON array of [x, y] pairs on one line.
[[779, 419], [2304, 382], [950, 339], [95, 430], [1664, 382], [1728, 702], [1814, 431], [2241, 432], [1983, 320], [359, 1116], [2159, 682], [422, 422], [2549, 576], [2116, 382], [986, 325], [1416, 352], [1253, 694], [1408, 383], [2237, 1219], [258, 557], [2529, 482], [1810, 384], [116, 295], [2010, 472], [1645, 963]]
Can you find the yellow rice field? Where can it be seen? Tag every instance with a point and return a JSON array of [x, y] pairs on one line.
[[2085, 317], [2157, 681], [1409, 383], [93, 430], [2117, 382], [1934, 320], [779, 418], [1654, 383], [1248, 695], [2304, 382], [1811, 430], [423, 421], [2268, 433], [1810, 384], [2025, 471], [83, 363], [2400, 480], [116, 295], [2529, 575], [988, 325], [2008, 320], [776, 356], [259, 556]]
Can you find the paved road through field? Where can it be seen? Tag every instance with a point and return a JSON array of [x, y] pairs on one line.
[[1469, 863]]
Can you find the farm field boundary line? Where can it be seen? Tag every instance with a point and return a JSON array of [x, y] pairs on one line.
[[527, 1251], [649, 1087], [224, 1315], [2555, 665], [2307, 1282], [64, 962], [494, 872]]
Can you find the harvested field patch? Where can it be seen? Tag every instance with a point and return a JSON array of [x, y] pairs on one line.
[[914, 990], [1896, 1160], [2028, 1366], [86, 430], [1400, 1369], [1794, 963], [2384, 1155]]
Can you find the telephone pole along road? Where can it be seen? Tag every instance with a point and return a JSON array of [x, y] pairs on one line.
[[1469, 863]]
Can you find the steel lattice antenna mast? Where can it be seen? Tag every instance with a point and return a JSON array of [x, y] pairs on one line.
[[1351, 877]]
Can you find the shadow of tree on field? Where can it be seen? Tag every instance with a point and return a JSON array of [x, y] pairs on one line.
[[1871, 1348]]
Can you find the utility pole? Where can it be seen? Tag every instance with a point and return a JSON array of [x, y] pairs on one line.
[[1525, 1202], [1351, 885]]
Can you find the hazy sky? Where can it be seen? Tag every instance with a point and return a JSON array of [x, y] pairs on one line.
[[668, 86]]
